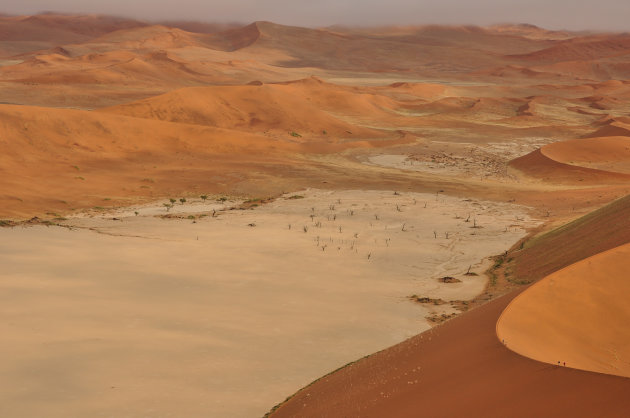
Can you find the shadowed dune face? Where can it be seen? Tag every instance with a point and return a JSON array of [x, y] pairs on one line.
[[575, 315], [577, 163], [599, 231]]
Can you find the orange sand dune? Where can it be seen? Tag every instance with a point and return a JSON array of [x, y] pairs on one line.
[[57, 159], [538, 165], [151, 37], [598, 231], [578, 315], [304, 107], [618, 126], [200, 27], [107, 68], [461, 368], [607, 154]]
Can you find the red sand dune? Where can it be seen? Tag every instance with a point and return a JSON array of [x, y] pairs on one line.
[[539, 166], [578, 315], [459, 369], [617, 126], [304, 107], [610, 154], [601, 230], [58, 157], [190, 136]]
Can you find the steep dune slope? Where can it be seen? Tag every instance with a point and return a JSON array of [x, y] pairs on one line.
[[619, 126], [539, 166], [462, 368], [599, 231], [235, 38], [459, 369], [578, 315]]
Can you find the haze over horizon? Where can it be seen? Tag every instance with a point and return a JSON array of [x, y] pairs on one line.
[[603, 15]]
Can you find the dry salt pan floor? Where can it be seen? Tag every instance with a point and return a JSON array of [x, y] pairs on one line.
[[222, 315]]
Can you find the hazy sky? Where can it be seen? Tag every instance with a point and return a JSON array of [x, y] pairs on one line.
[[555, 14]]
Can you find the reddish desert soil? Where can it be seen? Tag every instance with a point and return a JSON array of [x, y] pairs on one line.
[[459, 368], [599, 231], [462, 368]]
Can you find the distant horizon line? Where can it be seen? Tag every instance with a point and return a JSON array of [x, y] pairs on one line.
[[340, 25]]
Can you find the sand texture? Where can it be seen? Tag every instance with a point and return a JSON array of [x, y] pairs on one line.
[[576, 316]]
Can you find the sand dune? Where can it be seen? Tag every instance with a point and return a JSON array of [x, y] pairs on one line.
[[610, 154], [599, 231], [617, 126], [304, 108], [538, 165], [577, 316], [78, 157], [99, 112], [459, 368], [462, 368], [235, 39]]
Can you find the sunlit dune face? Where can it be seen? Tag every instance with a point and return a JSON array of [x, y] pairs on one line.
[[576, 317]]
